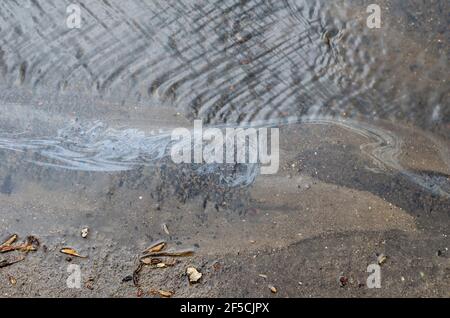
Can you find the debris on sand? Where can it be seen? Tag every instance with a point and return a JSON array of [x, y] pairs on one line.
[[153, 256], [273, 289], [165, 228], [128, 278], [85, 232], [71, 252], [263, 276], [9, 241], [31, 244], [193, 274], [148, 260], [216, 265], [343, 280], [89, 284], [5, 263], [381, 259], [156, 246], [12, 280], [165, 293], [173, 252]]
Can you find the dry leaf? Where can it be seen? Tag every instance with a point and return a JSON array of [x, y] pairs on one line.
[[71, 252], [175, 252], [32, 244], [148, 260], [9, 241], [5, 263], [136, 273], [155, 247], [165, 293]]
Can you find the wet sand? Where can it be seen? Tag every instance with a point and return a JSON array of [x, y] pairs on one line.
[[328, 212]]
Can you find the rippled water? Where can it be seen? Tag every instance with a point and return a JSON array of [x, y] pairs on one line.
[[234, 61], [71, 95]]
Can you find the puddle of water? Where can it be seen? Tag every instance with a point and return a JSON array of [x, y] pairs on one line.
[[237, 61], [86, 114]]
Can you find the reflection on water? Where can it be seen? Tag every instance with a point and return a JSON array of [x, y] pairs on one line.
[[237, 61], [230, 63]]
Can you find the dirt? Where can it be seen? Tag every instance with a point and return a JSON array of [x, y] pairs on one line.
[[327, 213]]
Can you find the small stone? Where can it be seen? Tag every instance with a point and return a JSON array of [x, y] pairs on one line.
[[193, 274], [343, 281], [381, 259], [85, 232], [273, 289], [128, 278]]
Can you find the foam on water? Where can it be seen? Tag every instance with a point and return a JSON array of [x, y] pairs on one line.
[[93, 146]]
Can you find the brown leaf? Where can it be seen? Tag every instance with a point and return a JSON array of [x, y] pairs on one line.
[[9, 241], [165, 293], [32, 244], [71, 252], [5, 263], [136, 274], [175, 252], [148, 260], [155, 247]]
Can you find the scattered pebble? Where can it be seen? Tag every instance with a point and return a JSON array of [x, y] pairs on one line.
[[381, 259], [273, 289], [194, 275], [165, 228], [343, 281], [85, 232]]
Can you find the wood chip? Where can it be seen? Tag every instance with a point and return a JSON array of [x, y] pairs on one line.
[[174, 252], [71, 252], [148, 260], [155, 247], [136, 273], [165, 228], [165, 293], [9, 241], [31, 244], [5, 263]]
